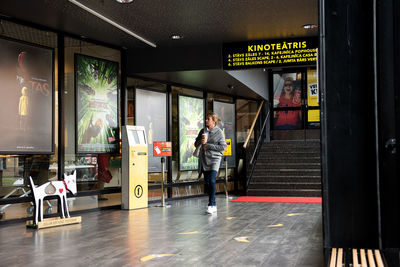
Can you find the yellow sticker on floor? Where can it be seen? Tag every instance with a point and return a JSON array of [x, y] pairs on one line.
[[189, 233], [275, 225], [242, 239], [153, 256], [294, 214], [230, 218]]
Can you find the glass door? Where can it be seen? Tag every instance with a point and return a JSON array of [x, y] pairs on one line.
[[295, 105]]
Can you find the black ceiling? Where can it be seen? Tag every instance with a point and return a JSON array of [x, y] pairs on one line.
[[215, 81], [199, 21]]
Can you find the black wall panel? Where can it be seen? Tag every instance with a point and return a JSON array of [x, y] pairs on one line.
[[348, 118]]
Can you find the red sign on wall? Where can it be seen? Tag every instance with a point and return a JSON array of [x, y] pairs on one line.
[[162, 149]]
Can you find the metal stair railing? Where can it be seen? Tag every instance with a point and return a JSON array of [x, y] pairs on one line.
[[252, 149], [254, 157]]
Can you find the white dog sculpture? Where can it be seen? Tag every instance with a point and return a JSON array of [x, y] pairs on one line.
[[53, 188]]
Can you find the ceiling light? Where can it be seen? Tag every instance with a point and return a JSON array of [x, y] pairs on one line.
[[124, 1], [100, 16], [310, 26], [176, 37]]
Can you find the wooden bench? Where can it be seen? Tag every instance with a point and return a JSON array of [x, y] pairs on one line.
[[361, 258]]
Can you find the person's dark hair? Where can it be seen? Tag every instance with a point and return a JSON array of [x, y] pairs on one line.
[[214, 117]]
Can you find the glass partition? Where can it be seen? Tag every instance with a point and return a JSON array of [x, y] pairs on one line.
[[96, 117], [34, 79]]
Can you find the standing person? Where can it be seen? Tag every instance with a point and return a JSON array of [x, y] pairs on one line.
[[213, 144], [288, 119]]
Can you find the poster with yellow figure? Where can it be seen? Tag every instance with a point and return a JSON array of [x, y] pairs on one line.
[[313, 95], [26, 75]]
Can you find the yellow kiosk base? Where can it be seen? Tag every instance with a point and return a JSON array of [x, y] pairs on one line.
[[53, 222]]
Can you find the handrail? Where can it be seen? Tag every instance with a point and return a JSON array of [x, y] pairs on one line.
[[259, 139], [256, 150], [252, 125]]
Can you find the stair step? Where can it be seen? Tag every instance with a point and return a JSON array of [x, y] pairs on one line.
[[287, 165], [304, 160], [290, 153], [293, 148], [285, 193], [292, 143], [287, 179], [287, 172], [280, 185]]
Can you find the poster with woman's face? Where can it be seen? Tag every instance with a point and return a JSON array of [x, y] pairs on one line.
[[151, 112], [191, 121], [26, 75], [96, 91], [226, 111], [287, 95]]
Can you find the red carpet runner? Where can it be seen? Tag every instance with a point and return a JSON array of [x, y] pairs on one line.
[[279, 199]]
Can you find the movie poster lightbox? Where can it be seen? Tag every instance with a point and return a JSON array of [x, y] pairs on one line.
[[191, 121], [26, 98], [151, 112], [97, 108]]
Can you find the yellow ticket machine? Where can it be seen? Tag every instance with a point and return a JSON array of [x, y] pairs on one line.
[[134, 168]]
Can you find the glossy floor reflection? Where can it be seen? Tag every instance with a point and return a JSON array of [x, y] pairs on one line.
[[240, 234]]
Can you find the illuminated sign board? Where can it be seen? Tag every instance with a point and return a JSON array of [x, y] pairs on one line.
[[162, 149], [269, 53]]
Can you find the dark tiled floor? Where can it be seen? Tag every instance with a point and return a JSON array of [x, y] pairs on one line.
[[125, 238]]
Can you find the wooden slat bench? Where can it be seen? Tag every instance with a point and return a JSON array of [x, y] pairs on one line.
[[361, 258]]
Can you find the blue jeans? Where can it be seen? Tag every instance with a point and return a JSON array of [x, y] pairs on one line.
[[210, 186]]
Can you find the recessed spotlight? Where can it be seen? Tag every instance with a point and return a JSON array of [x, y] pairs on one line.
[[176, 37], [310, 26], [124, 1]]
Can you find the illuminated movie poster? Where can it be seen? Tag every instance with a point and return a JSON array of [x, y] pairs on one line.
[[287, 94], [191, 121], [96, 91], [226, 111], [26, 75], [151, 112]]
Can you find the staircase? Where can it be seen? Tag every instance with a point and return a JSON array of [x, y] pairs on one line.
[[287, 168]]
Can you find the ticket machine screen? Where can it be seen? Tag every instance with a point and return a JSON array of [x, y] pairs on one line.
[[137, 136]]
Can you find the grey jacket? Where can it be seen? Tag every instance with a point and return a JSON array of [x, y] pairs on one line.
[[210, 159]]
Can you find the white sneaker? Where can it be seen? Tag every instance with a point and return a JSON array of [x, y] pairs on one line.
[[214, 209], [211, 209]]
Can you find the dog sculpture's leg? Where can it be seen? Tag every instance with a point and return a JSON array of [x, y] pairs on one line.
[[36, 212], [41, 209], [62, 205], [66, 206]]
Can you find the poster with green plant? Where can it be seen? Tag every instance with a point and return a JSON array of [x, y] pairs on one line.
[[191, 121], [96, 91]]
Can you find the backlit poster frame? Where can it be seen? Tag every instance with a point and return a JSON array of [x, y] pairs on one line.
[[97, 83], [28, 94], [226, 112], [191, 114], [152, 114]]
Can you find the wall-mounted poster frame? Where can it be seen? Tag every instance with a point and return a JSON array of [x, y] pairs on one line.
[[96, 105], [27, 98], [151, 112], [190, 121], [226, 111]]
